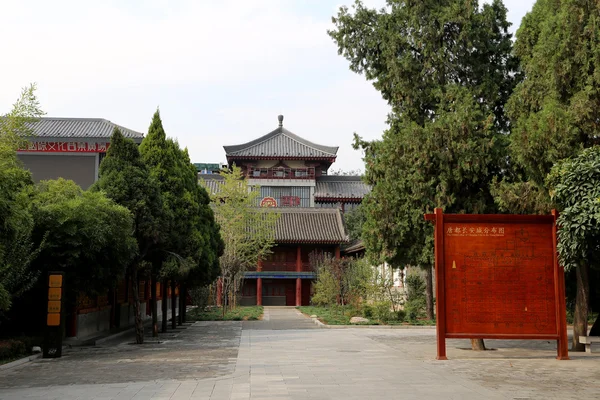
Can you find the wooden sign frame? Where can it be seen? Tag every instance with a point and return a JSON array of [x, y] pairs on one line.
[[557, 331]]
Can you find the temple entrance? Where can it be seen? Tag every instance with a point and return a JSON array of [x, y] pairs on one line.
[[275, 292]]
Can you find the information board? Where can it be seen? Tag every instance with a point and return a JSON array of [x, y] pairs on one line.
[[497, 277]]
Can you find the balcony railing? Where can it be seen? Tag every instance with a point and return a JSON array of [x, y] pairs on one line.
[[281, 173], [290, 266]]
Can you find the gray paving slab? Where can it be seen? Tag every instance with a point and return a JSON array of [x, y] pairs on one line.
[[285, 357]]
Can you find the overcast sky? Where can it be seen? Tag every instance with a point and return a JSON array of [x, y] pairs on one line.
[[220, 71]]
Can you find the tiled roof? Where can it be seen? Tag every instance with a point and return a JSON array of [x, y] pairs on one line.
[[354, 246], [310, 225], [281, 144], [340, 187], [91, 128], [212, 182]]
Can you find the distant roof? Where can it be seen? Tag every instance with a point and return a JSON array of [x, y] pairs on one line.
[[280, 144], [207, 166], [212, 182], [89, 128], [330, 187], [310, 225], [354, 246]]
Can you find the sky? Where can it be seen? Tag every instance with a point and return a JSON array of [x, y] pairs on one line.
[[220, 71]]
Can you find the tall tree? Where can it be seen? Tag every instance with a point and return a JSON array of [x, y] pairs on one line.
[[170, 168], [445, 68], [16, 221], [248, 232], [575, 187], [125, 178], [555, 111]]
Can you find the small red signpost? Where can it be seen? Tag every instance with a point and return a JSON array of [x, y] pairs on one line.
[[497, 277]]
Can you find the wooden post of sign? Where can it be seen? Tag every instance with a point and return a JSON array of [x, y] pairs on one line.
[[562, 349], [54, 316], [440, 312]]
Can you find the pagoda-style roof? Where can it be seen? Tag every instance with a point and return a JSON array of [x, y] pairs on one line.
[[54, 129], [281, 144], [310, 225], [340, 188]]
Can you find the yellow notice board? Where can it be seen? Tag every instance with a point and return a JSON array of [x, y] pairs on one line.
[[55, 281], [54, 319], [54, 293]]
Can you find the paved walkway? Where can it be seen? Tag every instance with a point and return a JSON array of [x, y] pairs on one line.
[[211, 360]]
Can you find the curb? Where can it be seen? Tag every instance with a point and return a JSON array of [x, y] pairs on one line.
[[325, 326], [16, 363]]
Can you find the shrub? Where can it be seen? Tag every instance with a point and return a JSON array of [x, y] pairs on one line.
[[414, 309], [367, 311], [12, 349], [400, 315], [382, 311]]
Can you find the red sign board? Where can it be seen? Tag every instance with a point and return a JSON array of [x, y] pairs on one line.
[[498, 277], [65, 147]]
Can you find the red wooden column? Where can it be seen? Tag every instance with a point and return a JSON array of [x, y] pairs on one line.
[[298, 280], [259, 285], [337, 252]]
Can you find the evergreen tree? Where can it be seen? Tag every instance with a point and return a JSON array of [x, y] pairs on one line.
[[555, 111], [125, 179], [445, 68]]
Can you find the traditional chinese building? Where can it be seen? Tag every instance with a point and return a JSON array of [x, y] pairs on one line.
[[291, 174], [70, 148]]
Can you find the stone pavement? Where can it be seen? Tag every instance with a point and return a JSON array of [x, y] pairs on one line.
[[264, 360]]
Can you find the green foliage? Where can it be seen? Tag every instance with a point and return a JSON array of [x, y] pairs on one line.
[[446, 70], [15, 126], [575, 187], [16, 222], [344, 281], [326, 289], [383, 311], [191, 243], [414, 306], [354, 220], [247, 232], [84, 234], [125, 179], [554, 112], [252, 313]]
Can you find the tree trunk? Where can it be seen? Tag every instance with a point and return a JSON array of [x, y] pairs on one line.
[[154, 306], [429, 292], [164, 306], [139, 325], [181, 305], [580, 316], [183, 294], [477, 345], [173, 305]]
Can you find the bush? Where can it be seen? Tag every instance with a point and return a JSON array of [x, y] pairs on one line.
[[382, 311], [415, 287], [414, 309], [400, 315], [367, 311], [12, 349]]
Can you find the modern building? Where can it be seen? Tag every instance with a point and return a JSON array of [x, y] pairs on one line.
[[291, 174], [70, 148]]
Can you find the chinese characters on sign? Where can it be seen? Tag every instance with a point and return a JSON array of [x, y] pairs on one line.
[[462, 230], [66, 147], [290, 201]]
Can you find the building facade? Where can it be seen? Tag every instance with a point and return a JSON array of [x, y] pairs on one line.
[[69, 148], [291, 174]]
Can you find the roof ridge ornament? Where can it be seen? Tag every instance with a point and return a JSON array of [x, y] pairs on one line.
[[280, 118]]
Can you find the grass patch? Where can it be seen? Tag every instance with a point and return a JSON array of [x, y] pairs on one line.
[[251, 313], [339, 316]]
